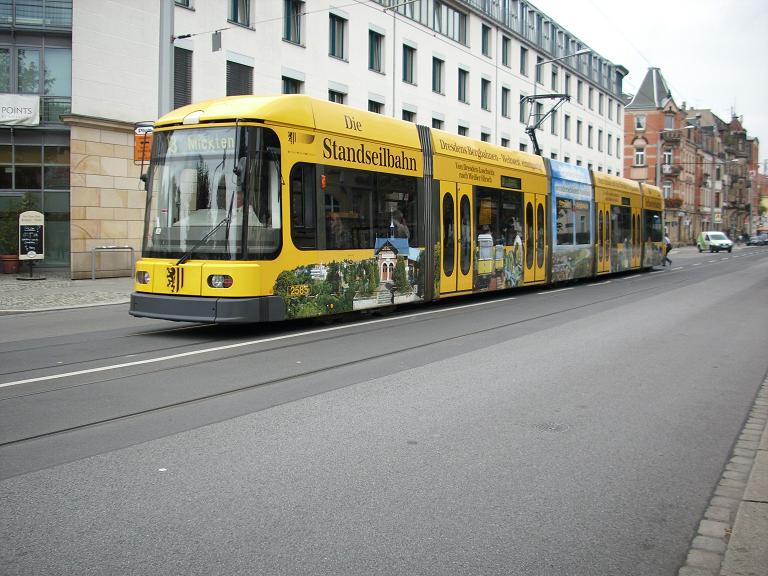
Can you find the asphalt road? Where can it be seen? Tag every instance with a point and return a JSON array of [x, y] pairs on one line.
[[575, 431]]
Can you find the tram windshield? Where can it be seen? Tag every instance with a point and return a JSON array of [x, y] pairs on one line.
[[214, 193]]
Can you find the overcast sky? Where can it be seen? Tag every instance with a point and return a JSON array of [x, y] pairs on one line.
[[712, 53]]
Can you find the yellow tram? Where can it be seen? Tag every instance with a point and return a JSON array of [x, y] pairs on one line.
[[272, 208]]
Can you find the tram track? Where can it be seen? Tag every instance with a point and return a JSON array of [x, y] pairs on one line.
[[332, 333]]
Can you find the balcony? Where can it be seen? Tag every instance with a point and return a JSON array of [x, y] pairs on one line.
[[671, 169], [673, 202], [672, 135]]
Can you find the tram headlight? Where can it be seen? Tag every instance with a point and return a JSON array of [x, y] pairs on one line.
[[142, 277], [219, 281]]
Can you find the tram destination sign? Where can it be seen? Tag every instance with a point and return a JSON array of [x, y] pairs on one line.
[[31, 236]]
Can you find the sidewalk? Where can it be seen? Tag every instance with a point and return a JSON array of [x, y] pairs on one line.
[[731, 540], [58, 292]]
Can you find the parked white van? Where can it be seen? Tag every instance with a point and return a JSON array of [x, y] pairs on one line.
[[713, 241]]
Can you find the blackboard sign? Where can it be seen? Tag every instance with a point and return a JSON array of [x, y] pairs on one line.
[[31, 234]]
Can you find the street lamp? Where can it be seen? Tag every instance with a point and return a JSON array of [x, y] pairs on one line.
[[538, 121]]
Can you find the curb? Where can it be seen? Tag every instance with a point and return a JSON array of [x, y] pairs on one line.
[[723, 542]]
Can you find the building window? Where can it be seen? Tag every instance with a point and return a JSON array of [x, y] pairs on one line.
[[506, 49], [485, 136], [580, 91], [376, 107], [523, 110], [667, 188], [591, 98], [486, 41], [463, 79], [292, 86], [449, 22], [336, 32], [579, 125], [618, 114], [566, 127], [239, 79], [437, 123], [409, 64], [669, 122], [567, 84], [639, 156], [409, 116], [438, 72], [553, 122], [240, 12], [505, 142], [609, 140], [375, 51], [293, 11], [610, 109], [485, 94], [523, 147], [51, 14], [640, 122], [600, 104], [182, 77], [524, 61], [463, 130], [505, 102], [590, 130], [335, 96], [599, 140], [554, 77], [667, 155], [539, 66], [539, 114]]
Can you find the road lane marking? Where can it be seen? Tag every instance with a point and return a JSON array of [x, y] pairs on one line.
[[247, 343], [553, 291]]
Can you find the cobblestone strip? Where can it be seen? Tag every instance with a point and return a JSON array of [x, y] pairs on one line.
[[710, 543]]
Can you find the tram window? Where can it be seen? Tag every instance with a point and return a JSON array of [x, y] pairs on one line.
[[540, 235], [564, 224], [529, 235], [582, 222], [621, 224], [303, 206], [487, 212], [511, 217], [653, 228], [448, 235], [465, 239], [353, 207]]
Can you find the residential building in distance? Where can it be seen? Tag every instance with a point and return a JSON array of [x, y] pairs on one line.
[[704, 165], [463, 66]]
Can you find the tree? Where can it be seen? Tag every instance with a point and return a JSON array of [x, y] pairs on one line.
[[401, 277]]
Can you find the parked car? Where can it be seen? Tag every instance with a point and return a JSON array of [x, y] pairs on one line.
[[713, 241]]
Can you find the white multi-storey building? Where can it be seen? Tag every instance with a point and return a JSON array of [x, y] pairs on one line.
[[464, 66]]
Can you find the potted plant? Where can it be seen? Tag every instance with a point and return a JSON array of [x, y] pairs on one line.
[[9, 232]]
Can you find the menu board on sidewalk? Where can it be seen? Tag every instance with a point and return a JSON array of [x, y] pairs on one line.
[[31, 236]]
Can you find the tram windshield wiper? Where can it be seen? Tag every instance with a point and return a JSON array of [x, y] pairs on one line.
[[188, 254]]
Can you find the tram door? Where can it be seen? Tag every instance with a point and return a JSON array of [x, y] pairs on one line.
[[603, 237], [535, 238], [456, 232]]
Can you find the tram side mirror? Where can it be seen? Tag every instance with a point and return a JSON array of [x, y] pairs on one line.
[[145, 179]]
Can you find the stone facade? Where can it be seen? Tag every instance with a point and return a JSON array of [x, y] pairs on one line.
[[107, 197]]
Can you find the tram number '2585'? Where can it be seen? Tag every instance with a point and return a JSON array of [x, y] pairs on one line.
[[299, 290]]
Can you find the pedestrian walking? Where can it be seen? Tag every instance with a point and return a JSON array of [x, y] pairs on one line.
[[667, 249]]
